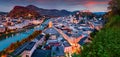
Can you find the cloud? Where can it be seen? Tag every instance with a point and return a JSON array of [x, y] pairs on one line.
[[61, 4], [69, 2], [92, 3]]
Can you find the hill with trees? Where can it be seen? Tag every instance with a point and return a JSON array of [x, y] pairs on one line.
[[20, 11]]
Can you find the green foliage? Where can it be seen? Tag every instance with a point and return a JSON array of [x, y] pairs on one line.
[[47, 36], [106, 43], [18, 56], [93, 33], [39, 47], [76, 55], [113, 21]]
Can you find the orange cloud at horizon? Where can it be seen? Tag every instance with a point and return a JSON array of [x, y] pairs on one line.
[[91, 3], [95, 6]]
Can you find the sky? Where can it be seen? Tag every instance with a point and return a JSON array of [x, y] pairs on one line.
[[70, 5]]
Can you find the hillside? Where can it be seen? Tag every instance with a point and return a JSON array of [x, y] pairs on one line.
[[49, 12], [3, 13], [20, 11], [33, 11]]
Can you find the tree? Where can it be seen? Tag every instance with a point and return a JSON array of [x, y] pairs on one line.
[[105, 44], [47, 36], [76, 55], [114, 6]]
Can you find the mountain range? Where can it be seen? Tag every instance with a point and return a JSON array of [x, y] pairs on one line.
[[3, 13], [49, 12], [99, 13], [22, 11]]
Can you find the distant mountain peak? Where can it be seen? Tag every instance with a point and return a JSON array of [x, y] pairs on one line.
[[32, 7]]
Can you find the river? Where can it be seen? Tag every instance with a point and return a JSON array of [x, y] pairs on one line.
[[20, 35]]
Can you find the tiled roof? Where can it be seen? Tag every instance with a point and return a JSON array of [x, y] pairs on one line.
[[41, 53], [30, 46], [20, 49], [66, 44], [57, 51]]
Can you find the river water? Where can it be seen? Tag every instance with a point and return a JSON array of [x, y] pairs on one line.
[[20, 35]]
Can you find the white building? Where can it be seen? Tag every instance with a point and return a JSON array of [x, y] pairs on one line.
[[2, 28], [29, 50], [36, 22]]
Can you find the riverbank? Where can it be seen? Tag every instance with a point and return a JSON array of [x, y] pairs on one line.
[[15, 45], [12, 32], [3, 36], [20, 35]]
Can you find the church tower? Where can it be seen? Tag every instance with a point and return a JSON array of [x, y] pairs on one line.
[[50, 24]]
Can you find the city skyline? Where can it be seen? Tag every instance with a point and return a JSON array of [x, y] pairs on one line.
[[70, 5]]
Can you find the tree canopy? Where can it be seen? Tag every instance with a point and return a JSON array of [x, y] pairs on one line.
[[114, 6]]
